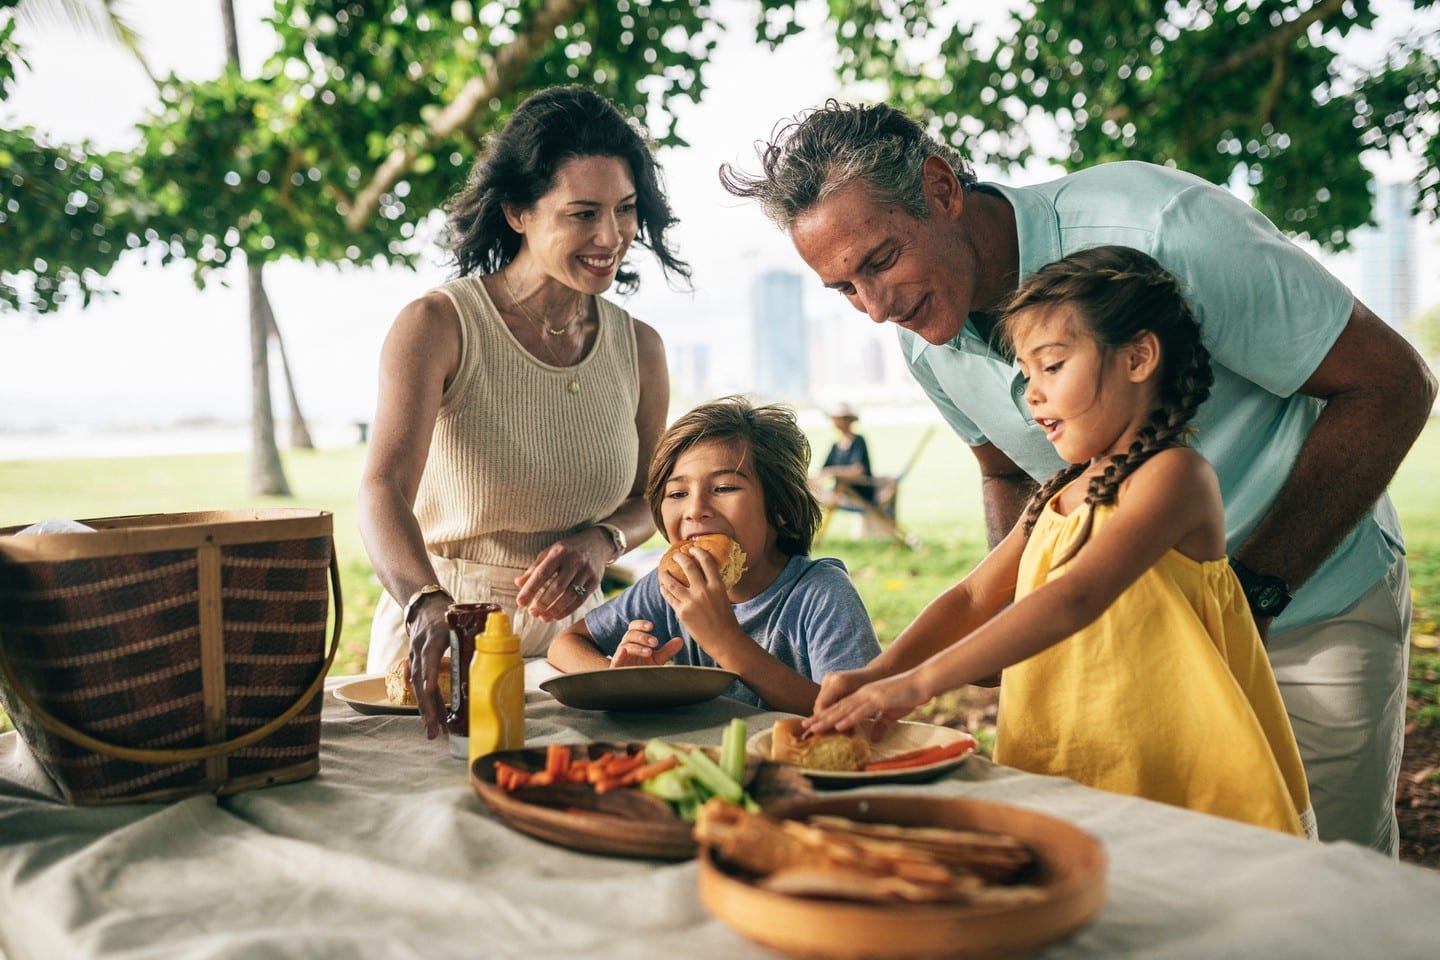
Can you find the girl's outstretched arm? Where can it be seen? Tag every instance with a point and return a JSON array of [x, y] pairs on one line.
[[964, 607], [1171, 502]]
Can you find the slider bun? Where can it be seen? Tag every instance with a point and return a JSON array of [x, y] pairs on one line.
[[727, 553], [791, 743], [399, 690]]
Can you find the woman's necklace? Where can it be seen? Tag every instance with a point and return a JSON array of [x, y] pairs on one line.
[[540, 325], [574, 385]]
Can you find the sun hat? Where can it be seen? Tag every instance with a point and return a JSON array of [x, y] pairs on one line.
[[842, 411]]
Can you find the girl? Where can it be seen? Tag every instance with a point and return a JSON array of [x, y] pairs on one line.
[[733, 468], [1131, 660]]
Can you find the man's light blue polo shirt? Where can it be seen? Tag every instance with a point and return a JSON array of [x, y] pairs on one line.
[[1268, 314]]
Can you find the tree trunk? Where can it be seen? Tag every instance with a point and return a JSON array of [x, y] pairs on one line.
[[267, 475], [299, 432]]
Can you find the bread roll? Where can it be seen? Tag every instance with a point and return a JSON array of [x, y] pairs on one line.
[[399, 690], [727, 553], [844, 752]]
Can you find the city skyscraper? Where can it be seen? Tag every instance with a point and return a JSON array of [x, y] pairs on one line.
[[782, 357], [1386, 256]]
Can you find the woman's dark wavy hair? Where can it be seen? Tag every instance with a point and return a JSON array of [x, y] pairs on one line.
[[1121, 293], [518, 167], [777, 448]]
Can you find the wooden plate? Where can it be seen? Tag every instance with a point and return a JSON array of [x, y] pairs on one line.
[[367, 695], [622, 823], [901, 738], [639, 688], [1071, 877]]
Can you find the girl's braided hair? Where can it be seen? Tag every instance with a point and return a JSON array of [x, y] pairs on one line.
[[1121, 293]]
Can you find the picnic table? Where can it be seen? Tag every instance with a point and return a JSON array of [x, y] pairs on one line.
[[388, 852]]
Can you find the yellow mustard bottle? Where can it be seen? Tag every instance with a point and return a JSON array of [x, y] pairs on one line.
[[497, 689]]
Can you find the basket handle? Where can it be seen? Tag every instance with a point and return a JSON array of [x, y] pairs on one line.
[[187, 754]]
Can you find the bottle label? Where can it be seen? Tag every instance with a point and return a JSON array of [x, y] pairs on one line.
[[459, 680]]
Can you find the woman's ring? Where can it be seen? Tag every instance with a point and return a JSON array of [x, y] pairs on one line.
[[578, 589]]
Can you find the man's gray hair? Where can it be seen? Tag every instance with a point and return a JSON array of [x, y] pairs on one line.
[[819, 151]]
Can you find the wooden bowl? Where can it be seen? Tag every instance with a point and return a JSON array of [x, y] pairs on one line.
[[1071, 876]]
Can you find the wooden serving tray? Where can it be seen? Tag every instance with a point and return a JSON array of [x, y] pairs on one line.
[[1070, 874], [622, 823]]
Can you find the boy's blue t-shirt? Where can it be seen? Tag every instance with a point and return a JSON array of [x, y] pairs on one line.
[[811, 619]]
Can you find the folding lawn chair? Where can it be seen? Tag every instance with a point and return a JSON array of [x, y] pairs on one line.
[[877, 514]]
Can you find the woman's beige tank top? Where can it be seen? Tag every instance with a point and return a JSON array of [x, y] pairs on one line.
[[517, 460]]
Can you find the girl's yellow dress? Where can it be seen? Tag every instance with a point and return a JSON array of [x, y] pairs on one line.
[[1167, 696]]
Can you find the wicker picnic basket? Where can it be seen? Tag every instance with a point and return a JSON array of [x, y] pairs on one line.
[[171, 654]]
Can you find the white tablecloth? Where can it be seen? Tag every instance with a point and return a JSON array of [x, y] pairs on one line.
[[388, 853]]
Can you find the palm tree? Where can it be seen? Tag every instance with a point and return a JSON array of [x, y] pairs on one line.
[[106, 19], [98, 18]]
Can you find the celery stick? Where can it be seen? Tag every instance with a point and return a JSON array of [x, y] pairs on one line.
[[672, 785], [712, 777], [732, 751]]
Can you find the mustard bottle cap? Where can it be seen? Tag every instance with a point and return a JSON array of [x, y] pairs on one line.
[[498, 637]]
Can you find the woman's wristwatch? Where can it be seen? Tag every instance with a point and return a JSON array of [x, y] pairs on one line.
[[416, 598], [617, 539], [1267, 595]]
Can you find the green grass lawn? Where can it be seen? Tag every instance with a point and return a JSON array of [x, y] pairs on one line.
[[939, 500]]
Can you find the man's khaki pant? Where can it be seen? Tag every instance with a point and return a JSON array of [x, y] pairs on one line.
[[1343, 681]]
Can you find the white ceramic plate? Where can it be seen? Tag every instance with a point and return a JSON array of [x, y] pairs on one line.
[[367, 695], [639, 688], [901, 738]]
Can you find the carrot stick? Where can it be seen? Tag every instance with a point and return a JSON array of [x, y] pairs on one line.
[[645, 771], [623, 765], [922, 757], [613, 765], [557, 759], [508, 777]]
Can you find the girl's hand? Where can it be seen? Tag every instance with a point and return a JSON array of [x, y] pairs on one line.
[[702, 605], [641, 648], [883, 701], [842, 683], [563, 575]]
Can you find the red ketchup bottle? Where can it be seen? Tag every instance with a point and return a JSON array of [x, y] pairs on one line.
[[466, 621]]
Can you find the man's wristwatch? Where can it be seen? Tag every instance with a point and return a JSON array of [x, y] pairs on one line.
[[1266, 594], [617, 538]]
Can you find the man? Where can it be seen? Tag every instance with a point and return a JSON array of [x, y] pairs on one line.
[[1315, 402]]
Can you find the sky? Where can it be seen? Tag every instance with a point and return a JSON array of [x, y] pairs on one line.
[[162, 352]]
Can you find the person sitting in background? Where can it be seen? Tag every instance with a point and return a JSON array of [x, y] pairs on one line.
[[518, 409], [848, 462], [732, 468]]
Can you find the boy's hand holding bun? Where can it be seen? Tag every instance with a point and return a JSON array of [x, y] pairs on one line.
[[695, 576], [727, 553]]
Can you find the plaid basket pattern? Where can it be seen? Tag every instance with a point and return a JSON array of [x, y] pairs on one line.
[[112, 646]]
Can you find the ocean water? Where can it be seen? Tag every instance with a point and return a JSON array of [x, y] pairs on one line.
[[79, 441]]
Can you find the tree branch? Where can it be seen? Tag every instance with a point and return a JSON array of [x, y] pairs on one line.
[[504, 70], [1278, 40]]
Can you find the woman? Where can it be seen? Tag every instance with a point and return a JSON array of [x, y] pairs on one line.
[[518, 410]]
